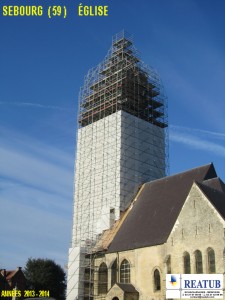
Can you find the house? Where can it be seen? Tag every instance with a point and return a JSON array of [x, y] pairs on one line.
[[174, 225], [3, 282], [11, 279]]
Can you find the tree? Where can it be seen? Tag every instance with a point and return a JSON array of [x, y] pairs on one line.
[[46, 275]]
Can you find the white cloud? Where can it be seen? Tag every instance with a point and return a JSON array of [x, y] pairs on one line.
[[36, 194], [35, 171], [32, 232], [23, 143], [199, 132], [36, 164], [31, 104], [33, 197], [198, 139]]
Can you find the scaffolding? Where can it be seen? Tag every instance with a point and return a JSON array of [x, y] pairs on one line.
[[122, 82], [121, 144], [96, 280]]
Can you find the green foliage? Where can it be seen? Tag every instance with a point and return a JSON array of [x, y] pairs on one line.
[[46, 275]]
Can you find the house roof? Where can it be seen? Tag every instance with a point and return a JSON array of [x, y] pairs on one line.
[[127, 287], [10, 273], [152, 217], [3, 282]]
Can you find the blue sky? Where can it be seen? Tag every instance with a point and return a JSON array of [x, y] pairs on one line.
[[42, 66]]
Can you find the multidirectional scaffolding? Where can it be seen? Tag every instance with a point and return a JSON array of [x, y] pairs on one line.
[[121, 143]]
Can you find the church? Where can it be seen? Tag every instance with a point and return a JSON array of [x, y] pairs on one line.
[[174, 225], [133, 224]]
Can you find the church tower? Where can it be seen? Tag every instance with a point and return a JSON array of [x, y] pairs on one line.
[[121, 143]]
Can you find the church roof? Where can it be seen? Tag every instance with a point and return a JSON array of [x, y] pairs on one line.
[[152, 217], [215, 183], [127, 287], [216, 197]]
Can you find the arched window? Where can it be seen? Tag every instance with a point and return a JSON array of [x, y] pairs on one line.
[[102, 279], [198, 262], [211, 261], [157, 282], [167, 261], [114, 273], [187, 263], [125, 272]]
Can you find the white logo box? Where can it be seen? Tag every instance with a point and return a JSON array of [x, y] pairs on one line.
[[194, 286]]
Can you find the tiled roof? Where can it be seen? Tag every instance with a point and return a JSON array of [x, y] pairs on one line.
[[9, 273], [127, 287], [215, 196], [152, 217], [215, 183]]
